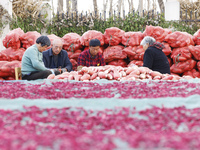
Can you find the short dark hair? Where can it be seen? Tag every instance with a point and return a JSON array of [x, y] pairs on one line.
[[94, 42], [43, 40]]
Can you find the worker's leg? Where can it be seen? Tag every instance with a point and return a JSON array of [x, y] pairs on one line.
[[37, 75]]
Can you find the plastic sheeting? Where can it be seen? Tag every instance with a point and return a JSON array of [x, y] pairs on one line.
[[102, 103]]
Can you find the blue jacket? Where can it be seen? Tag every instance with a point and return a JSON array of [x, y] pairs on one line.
[[63, 60]]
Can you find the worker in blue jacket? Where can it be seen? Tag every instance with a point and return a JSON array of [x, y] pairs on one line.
[[57, 59]]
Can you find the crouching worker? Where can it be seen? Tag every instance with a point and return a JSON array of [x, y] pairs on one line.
[[56, 58], [154, 58], [32, 66], [91, 57]]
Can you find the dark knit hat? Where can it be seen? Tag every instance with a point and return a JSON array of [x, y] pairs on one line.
[[94, 42]]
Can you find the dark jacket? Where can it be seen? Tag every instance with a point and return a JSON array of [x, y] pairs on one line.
[[155, 59], [63, 60]]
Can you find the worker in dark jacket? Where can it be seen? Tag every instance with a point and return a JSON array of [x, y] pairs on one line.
[[56, 58], [154, 57]]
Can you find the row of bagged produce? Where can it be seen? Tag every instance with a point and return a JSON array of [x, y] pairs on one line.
[[119, 48]]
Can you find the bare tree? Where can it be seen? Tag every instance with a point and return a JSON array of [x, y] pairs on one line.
[[148, 5], [119, 6], [95, 6], [140, 7], [74, 5], [60, 6], [130, 2], [154, 5], [123, 9], [52, 6], [68, 2], [105, 2], [111, 7], [161, 5]]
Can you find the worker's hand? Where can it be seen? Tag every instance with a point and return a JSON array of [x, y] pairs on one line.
[[79, 68], [52, 71], [133, 65], [55, 70], [64, 70]]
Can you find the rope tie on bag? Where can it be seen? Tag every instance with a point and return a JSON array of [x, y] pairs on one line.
[[127, 41], [110, 39], [72, 47], [177, 57], [8, 43]]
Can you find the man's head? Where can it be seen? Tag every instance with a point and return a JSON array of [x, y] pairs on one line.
[[147, 41], [94, 46], [42, 43], [57, 46]]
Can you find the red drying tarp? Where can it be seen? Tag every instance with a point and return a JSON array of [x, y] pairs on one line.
[[29, 38], [10, 54], [134, 53], [193, 73], [12, 39], [167, 50], [119, 62], [196, 37], [7, 68], [182, 67], [113, 36], [114, 52], [132, 38], [157, 32], [195, 50], [136, 62], [71, 42], [91, 34], [181, 54], [179, 39]]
